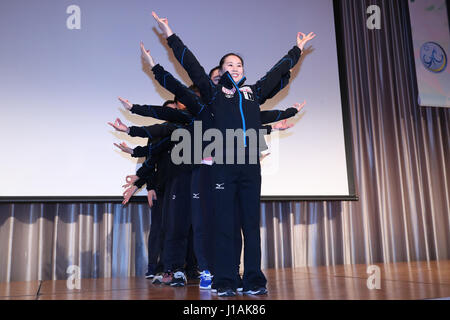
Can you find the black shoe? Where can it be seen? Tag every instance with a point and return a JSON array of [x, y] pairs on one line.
[[150, 274], [225, 292], [256, 291], [179, 279], [192, 274]]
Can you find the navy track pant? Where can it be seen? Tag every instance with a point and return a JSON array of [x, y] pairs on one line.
[[242, 184]]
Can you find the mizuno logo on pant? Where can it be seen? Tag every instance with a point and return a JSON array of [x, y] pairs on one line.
[[196, 196], [220, 186], [174, 197]]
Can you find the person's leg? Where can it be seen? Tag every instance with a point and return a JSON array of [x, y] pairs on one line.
[[179, 233], [238, 242], [167, 222], [164, 261], [191, 260], [178, 223], [207, 203], [154, 237], [202, 220], [224, 183], [199, 223], [249, 195], [162, 233], [195, 208]]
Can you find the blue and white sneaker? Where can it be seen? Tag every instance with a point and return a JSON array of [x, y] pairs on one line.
[[205, 280]]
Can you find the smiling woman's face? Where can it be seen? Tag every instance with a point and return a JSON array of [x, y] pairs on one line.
[[233, 65]]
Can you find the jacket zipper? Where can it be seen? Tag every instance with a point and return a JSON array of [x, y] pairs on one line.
[[241, 110]]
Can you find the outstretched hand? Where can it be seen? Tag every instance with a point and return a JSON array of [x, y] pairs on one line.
[[163, 24], [146, 55], [299, 106], [302, 39], [123, 146], [282, 125], [131, 179], [119, 126], [126, 104], [128, 194]]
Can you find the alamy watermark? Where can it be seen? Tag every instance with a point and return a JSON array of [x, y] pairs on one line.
[[237, 147], [73, 22], [374, 21], [74, 280], [374, 280]]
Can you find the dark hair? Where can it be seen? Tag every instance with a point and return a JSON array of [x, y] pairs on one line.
[[222, 61], [212, 70], [168, 102]]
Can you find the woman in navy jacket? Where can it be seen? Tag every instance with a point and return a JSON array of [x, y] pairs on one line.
[[235, 106]]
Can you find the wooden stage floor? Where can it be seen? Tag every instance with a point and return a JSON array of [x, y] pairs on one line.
[[399, 281]]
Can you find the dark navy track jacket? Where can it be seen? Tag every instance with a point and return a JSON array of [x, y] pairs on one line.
[[197, 107], [155, 170], [234, 105]]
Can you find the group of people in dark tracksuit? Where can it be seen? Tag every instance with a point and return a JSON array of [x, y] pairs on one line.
[[212, 197]]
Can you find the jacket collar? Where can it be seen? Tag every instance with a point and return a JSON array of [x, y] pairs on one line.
[[227, 81]]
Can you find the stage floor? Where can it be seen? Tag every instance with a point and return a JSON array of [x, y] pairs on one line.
[[399, 281]]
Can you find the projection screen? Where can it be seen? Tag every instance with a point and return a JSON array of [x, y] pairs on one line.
[[64, 64]]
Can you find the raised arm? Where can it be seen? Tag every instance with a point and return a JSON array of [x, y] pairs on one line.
[[151, 149], [151, 132], [277, 115], [162, 113], [188, 61], [185, 95], [266, 85], [157, 112], [280, 126], [154, 131], [170, 83], [284, 81]]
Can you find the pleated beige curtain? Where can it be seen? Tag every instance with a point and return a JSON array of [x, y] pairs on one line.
[[40, 241], [402, 165], [402, 162]]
